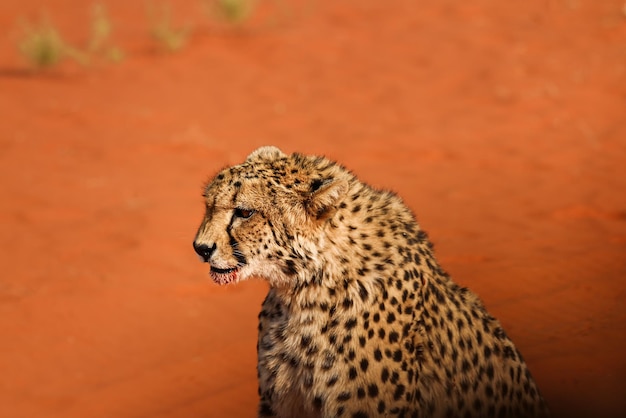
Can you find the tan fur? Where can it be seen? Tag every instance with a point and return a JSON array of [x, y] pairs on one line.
[[360, 320]]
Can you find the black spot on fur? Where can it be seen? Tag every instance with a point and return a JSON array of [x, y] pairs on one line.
[[317, 403], [363, 293], [290, 268], [350, 323], [381, 407], [397, 394], [344, 396], [364, 364]]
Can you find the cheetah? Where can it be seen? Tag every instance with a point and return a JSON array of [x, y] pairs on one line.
[[359, 320]]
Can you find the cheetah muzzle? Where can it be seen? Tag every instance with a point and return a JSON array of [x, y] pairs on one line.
[[359, 320]]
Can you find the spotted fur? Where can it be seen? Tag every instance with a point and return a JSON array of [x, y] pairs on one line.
[[360, 320]]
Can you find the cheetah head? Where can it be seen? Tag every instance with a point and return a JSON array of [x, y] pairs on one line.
[[266, 217]]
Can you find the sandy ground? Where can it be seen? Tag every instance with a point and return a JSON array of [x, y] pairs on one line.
[[502, 125]]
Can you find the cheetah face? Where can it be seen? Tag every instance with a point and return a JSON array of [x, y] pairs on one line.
[[264, 217], [230, 258]]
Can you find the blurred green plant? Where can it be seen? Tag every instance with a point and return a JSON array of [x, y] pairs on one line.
[[164, 33], [43, 47], [101, 30], [233, 12]]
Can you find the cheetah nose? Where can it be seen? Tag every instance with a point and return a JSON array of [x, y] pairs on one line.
[[204, 251]]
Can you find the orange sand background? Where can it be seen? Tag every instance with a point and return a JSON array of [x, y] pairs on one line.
[[502, 124]]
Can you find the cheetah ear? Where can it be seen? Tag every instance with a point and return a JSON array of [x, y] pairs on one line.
[[324, 196], [265, 153]]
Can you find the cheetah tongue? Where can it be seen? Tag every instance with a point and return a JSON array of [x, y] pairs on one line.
[[223, 276]]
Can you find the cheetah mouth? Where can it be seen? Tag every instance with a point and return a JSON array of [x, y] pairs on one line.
[[224, 276]]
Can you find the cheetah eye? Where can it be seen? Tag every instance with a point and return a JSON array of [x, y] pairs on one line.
[[243, 213]]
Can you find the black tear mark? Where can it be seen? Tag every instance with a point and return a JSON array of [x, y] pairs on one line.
[[317, 183], [241, 259]]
